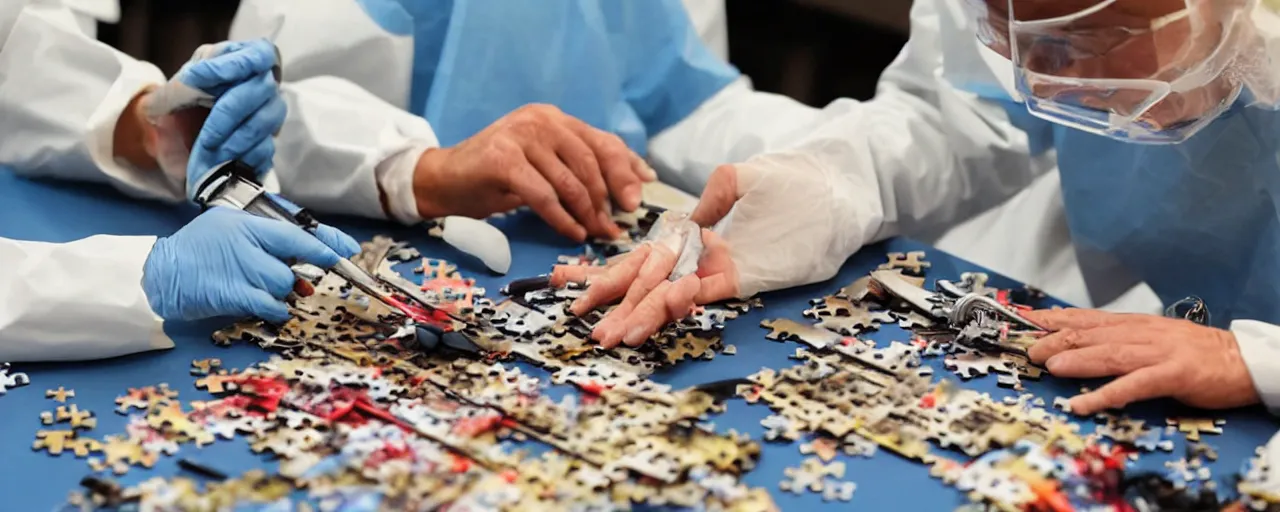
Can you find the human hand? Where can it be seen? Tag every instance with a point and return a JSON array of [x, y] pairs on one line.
[[223, 105], [538, 156], [230, 263], [781, 220], [1151, 356]]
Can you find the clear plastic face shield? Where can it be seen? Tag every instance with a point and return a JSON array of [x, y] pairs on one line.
[[1146, 71]]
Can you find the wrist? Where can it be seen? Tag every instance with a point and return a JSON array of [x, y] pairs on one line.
[[425, 174], [134, 139]]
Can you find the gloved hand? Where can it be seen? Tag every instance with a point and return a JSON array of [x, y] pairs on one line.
[[230, 263], [540, 157], [781, 220], [234, 82], [1151, 356]]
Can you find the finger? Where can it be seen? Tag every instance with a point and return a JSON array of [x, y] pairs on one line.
[[718, 197], [610, 330], [259, 303], [1143, 384], [562, 275], [613, 284], [572, 193], [240, 63], [340, 242], [655, 269], [716, 288], [261, 158], [534, 190], [580, 159], [1077, 318], [261, 125], [643, 170], [615, 161], [287, 242], [272, 276], [233, 108], [1104, 360], [647, 317], [1074, 339], [666, 303]]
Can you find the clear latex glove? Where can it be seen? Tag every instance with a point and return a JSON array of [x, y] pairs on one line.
[[242, 111], [230, 263], [1150, 356], [780, 220]]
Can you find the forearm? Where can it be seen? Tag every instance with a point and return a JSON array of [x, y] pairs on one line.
[[96, 282], [65, 95], [343, 150], [939, 154]]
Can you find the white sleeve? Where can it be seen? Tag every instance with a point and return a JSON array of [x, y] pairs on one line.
[[341, 146], [939, 154], [76, 301], [61, 93], [711, 21], [1259, 344]]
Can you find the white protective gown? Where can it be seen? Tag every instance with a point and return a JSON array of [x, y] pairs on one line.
[[61, 92]]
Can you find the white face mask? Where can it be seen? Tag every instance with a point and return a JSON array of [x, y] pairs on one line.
[[1148, 78]]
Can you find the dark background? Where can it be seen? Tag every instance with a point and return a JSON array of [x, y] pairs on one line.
[[811, 50]]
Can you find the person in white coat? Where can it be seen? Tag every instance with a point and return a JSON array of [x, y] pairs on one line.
[[1162, 116], [457, 107], [71, 107]]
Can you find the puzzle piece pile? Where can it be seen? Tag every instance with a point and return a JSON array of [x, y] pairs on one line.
[[357, 415], [848, 389]]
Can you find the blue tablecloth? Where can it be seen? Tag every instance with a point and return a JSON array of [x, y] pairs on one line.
[[47, 211]]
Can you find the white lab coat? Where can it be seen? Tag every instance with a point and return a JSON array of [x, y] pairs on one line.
[[62, 92], [943, 160], [60, 95]]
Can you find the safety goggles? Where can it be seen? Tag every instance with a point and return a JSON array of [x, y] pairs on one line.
[[1147, 71]]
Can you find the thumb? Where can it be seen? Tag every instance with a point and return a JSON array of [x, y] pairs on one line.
[[261, 304], [718, 197]]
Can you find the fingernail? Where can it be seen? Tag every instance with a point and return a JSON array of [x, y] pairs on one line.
[[634, 336], [1051, 365], [647, 172], [578, 307], [631, 197]]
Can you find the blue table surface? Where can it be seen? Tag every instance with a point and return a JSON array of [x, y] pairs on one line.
[[59, 212]]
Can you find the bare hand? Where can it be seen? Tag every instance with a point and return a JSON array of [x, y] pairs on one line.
[[538, 156], [640, 278], [1151, 357]]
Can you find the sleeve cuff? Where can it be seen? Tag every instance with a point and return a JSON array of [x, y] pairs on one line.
[[395, 179], [1259, 344], [150, 183]]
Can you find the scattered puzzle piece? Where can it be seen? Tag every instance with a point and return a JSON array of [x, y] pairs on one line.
[[1193, 427], [823, 447], [60, 395], [11, 380], [205, 366], [53, 441], [78, 419], [911, 263]]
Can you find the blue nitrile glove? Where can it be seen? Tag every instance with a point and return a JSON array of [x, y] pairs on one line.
[[234, 81], [230, 263]]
